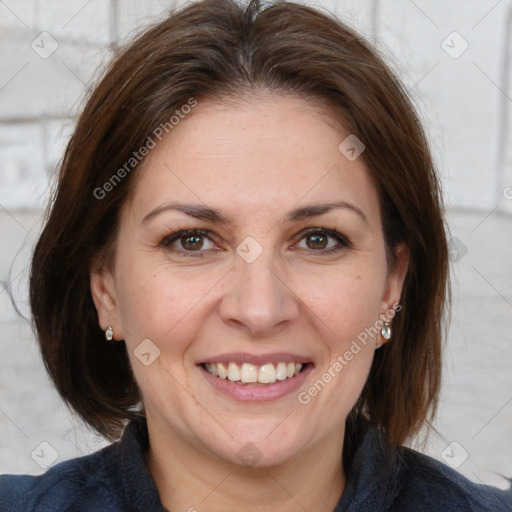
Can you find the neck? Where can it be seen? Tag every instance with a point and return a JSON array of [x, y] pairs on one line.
[[188, 479]]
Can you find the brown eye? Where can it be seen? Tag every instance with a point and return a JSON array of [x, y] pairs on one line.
[[324, 241], [317, 241], [191, 242]]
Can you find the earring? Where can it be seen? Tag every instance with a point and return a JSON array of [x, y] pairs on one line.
[[386, 331], [109, 333]]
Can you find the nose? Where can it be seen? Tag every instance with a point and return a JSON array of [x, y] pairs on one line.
[[258, 298]]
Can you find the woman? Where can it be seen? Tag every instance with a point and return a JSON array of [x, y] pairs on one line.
[[245, 264]]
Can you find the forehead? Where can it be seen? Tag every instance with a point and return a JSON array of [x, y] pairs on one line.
[[268, 154]]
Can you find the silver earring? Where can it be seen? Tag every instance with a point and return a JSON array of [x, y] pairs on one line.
[[109, 333], [386, 331]]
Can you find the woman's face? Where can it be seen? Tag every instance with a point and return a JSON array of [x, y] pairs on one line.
[[287, 266]]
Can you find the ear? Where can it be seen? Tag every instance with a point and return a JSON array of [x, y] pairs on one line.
[[395, 281], [104, 296]]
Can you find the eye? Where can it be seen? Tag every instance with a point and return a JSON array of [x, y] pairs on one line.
[[324, 241], [188, 241]]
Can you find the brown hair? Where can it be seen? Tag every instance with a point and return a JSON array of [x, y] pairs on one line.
[[217, 48]]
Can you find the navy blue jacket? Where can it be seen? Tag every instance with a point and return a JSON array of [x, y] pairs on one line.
[[117, 479]]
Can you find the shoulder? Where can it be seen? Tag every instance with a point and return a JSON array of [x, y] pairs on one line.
[[432, 485], [66, 486]]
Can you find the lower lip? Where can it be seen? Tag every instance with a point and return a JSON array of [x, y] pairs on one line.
[[265, 393]]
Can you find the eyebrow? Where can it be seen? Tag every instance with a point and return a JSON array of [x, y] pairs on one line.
[[201, 212]]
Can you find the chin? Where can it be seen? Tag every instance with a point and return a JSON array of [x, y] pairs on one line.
[[260, 450]]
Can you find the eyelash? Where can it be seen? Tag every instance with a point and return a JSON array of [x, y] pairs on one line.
[[343, 242]]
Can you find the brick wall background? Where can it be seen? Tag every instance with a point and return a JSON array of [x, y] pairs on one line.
[[455, 59]]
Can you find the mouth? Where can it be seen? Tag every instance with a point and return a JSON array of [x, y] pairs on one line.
[[247, 378], [252, 374]]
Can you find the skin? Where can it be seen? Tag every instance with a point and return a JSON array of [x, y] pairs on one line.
[[256, 160]]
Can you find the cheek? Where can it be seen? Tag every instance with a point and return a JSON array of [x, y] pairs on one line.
[[345, 302], [344, 306], [162, 303]]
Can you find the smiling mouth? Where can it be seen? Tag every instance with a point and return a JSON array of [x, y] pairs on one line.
[[254, 374]]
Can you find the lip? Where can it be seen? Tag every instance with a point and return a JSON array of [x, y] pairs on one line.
[[254, 393], [256, 359]]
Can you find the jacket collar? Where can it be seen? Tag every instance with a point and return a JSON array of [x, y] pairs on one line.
[[373, 480], [139, 487]]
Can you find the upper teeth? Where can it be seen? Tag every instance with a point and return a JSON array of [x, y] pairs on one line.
[[266, 374]]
